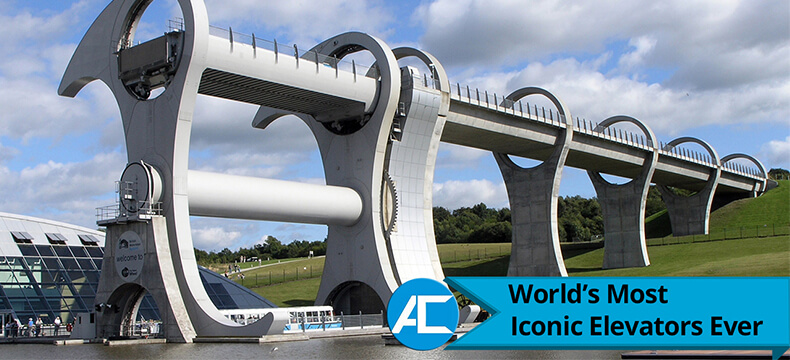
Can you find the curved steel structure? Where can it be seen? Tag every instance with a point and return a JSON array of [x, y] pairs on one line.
[[378, 135]]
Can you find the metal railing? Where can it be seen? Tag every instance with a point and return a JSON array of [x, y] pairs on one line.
[[476, 96], [311, 58]]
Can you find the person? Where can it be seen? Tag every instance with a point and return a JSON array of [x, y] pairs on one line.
[[57, 325], [17, 327], [38, 326], [30, 325]]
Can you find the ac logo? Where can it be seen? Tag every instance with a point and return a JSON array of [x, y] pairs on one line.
[[422, 314]]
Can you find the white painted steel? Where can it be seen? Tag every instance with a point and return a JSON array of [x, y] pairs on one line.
[[243, 197]]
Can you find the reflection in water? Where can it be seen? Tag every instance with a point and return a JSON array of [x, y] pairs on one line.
[[362, 347]]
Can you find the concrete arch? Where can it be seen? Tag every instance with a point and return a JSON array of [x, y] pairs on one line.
[[562, 144], [120, 310], [417, 142], [436, 67], [688, 139], [533, 194], [164, 145], [691, 215], [756, 162], [747, 157], [389, 90], [623, 206], [649, 166], [357, 161], [651, 137]]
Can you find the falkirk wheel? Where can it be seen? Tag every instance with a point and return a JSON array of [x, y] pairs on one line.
[[378, 131]]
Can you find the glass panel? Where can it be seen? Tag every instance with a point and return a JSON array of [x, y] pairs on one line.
[[69, 263], [89, 240], [86, 264], [15, 277], [76, 276], [7, 276], [78, 251], [34, 263], [50, 290], [28, 250], [85, 290], [39, 303], [98, 263], [19, 305], [45, 250], [79, 305], [43, 276], [65, 290], [14, 263], [68, 303], [62, 251], [4, 304], [92, 277], [95, 251], [52, 264]]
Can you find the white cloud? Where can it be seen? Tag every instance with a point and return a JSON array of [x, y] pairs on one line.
[[454, 194], [591, 94], [642, 45], [7, 153], [777, 153], [214, 238], [68, 192], [453, 156], [303, 21], [709, 44]]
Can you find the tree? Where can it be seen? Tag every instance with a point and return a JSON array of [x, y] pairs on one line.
[[779, 174]]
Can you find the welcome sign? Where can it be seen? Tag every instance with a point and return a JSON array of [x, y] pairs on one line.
[[129, 255]]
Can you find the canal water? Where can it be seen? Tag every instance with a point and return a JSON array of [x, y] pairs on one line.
[[361, 347]]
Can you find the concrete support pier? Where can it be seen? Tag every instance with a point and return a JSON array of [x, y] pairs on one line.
[[623, 207], [533, 195], [691, 215]]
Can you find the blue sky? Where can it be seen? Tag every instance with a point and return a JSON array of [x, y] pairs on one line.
[[717, 70]]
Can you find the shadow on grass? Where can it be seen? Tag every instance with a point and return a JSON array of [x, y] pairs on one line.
[[493, 267], [300, 302]]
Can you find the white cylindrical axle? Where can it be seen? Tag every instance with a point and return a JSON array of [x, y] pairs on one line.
[[242, 197]]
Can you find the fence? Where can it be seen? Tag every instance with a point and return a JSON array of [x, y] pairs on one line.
[[479, 252], [284, 274], [731, 233]]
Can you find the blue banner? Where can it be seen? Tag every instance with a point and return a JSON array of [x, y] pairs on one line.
[[628, 313]]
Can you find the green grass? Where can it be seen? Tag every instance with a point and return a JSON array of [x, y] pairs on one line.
[[294, 293], [285, 271], [755, 211], [463, 252], [750, 214], [658, 225], [686, 256], [744, 257]]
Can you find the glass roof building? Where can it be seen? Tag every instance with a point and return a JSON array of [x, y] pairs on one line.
[[50, 269]]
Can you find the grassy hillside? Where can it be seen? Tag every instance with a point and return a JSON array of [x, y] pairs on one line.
[[765, 256], [773, 207], [768, 256]]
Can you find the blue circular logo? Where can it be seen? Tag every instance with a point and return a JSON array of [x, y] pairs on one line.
[[422, 314]]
